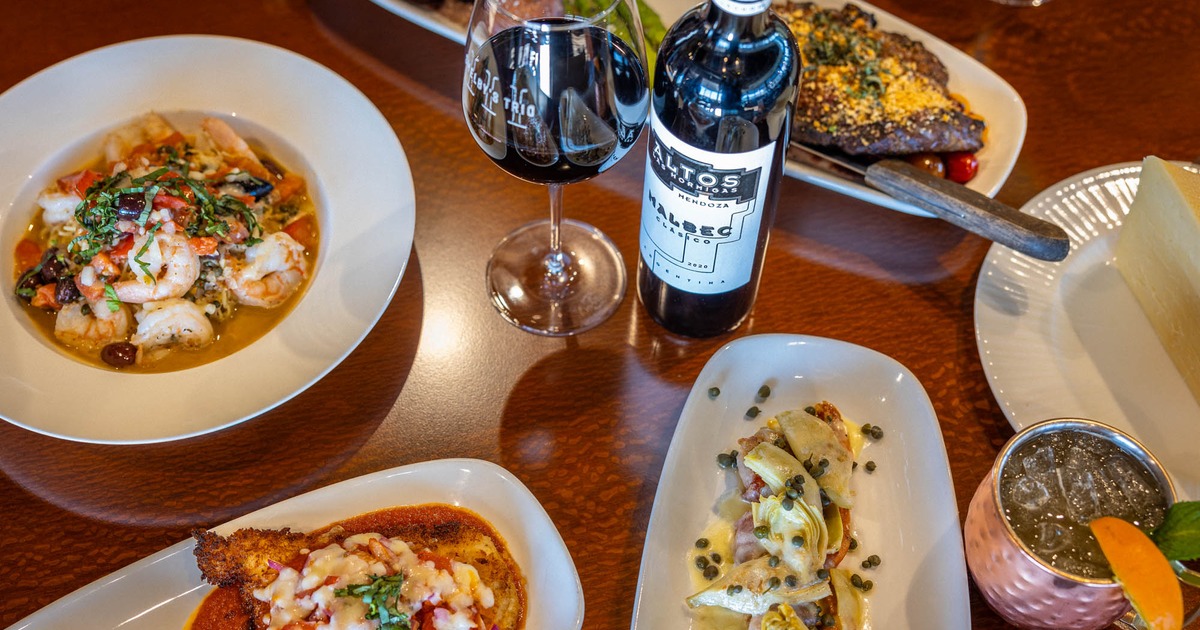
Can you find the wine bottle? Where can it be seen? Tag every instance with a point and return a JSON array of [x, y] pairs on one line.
[[724, 92]]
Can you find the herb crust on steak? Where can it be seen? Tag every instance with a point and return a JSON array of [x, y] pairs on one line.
[[869, 92]]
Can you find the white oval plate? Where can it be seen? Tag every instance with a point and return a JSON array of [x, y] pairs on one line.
[[905, 511], [163, 590], [313, 120], [989, 95], [1068, 339]]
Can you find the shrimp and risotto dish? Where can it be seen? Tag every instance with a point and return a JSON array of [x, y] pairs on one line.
[[170, 251]]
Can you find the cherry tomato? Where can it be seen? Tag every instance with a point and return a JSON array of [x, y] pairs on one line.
[[931, 162], [961, 166]]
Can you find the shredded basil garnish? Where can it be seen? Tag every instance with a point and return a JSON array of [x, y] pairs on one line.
[[110, 298]]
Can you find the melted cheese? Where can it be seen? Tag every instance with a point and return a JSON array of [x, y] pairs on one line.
[[1158, 253], [310, 594]]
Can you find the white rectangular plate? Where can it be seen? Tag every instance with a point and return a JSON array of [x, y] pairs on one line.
[[989, 96], [904, 512], [163, 590]]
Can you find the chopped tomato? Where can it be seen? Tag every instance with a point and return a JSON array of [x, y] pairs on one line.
[[289, 186], [45, 298], [28, 254], [204, 245], [439, 561], [104, 265], [303, 230], [93, 293], [121, 249], [961, 166], [80, 182], [164, 200]]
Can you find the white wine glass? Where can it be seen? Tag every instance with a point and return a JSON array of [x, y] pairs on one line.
[[555, 93]]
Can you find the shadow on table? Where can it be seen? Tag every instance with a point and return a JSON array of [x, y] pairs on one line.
[[212, 478], [588, 435], [404, 46]]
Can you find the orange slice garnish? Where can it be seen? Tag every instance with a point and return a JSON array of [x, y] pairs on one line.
[[1142, 571]]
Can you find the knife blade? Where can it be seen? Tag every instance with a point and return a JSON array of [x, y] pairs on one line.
[[952, 202]]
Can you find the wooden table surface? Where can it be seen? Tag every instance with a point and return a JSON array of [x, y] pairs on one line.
[[584, 422]]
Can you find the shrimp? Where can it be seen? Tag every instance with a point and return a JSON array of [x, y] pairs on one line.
[[273, 270], [151, 128], [170, 323], [233, 146], [91, 330], [171, 268], [58, 206]]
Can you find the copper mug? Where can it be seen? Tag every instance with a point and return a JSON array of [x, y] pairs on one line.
[[1020, 586]]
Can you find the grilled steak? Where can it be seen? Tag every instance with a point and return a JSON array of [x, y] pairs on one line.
[[868, 92]]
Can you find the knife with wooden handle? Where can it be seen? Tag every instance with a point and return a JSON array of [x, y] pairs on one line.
[[959, 205]]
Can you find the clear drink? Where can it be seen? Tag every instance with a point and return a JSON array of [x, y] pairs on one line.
[[1055, 483]]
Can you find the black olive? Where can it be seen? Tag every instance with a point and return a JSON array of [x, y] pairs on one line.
[[130, 205], [251, 185], [66, 291], [52, 267], [29, 285], [120, 354]]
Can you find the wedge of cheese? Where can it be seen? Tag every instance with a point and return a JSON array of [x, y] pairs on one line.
[[1158, 253]]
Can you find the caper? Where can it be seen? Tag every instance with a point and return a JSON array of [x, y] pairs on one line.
[[867, 584], [761, 532], [877, 433], [853, 544], [710, 572], [810, 410], [791, 581], [753, 412], [773, 583], [787, 504], [792, 494], [870, 466], [764, 392], [713, 392], [701, 562], [874, 560], [866, 564], [701, 543], [856, 580], [716, 557], [797, 541], [823, 573], [725, 460], [773, 561]]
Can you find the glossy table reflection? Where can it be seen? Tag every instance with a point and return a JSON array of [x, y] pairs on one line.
[[584, 422]]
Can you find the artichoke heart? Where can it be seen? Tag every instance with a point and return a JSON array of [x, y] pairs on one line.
[[813, 439], [757, 594], [783, 618], [804, 557], [851, 604], [776, 466]]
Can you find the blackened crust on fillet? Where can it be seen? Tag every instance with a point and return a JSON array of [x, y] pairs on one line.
[[833, 109]]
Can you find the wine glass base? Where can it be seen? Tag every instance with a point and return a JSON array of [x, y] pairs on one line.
[[533, 298]]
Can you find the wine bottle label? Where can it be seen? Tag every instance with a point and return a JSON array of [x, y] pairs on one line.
[[701, 212], [743, 7]]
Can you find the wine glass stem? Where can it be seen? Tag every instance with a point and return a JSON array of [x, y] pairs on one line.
[[556, 262]]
